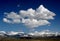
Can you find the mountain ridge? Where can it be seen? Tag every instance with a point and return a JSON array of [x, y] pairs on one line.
[[45, 33]]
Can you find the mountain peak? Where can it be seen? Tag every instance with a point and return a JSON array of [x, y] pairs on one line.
[[2, 32], [12, 33]]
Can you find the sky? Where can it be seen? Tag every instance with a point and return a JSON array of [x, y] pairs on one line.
[[13, 11]]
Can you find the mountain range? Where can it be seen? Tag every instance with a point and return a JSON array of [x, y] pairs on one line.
[[45, 33]]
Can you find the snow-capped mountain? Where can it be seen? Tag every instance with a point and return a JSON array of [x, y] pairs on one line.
[[14, 33], [45, 33], [2, 33]]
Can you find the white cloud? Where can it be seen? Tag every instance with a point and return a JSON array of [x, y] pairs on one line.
[[12, 17], [6, 20], [29, 13], [30, 17], [43, 13], [34, 23], [40, 13]]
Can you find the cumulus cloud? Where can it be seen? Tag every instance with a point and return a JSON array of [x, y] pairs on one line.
[[30, 17], [12, 17], [43, 13], [30, 13], [34, 23], [40, 13]]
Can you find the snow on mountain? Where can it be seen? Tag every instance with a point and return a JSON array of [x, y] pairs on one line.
[[44, 33], [2, 33], [14, 33]]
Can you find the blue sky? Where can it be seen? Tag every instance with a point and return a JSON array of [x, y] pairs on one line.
[[17, 5]]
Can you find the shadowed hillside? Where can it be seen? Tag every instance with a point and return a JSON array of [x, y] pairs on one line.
[[25, 39]]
